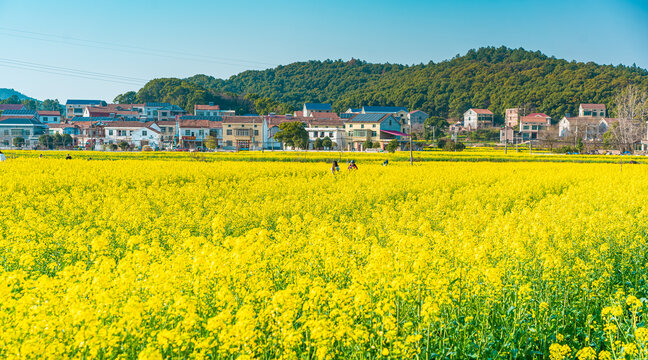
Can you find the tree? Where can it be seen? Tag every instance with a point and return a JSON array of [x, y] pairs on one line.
[[317, 144], [434, 126], [129, 97], [46, 141], [292, 134], [211, 142], [18, 142], [51, 105], [392, 146], [113, 147], [123, 145], [631, 110], [368, 144], [57, 140], [67, 140], [376, 145], [327, 143]]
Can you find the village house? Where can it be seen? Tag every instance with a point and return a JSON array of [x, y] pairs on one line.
[[271, 128], [90, 134], [125, 112], [532, 124], [135, 133], [158, 111], [415, 120], [211, 110], [49, 117], [478, 119], [378, 127], [194, 133], [323, 128], [587, 128], [309, 108], [243, 132], [76, 107], [29, 129], [591, 110], [512, 117]]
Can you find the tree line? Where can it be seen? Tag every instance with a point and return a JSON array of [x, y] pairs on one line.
[[493, 78]]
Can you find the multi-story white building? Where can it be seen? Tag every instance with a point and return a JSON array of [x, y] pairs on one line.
[[323, 128], [133, 132], [478, 119], [29, 129], [76, 107]]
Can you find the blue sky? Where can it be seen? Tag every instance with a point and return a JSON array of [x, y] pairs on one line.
[[88, 49]]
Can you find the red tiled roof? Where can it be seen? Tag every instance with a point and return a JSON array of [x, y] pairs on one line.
[[299, 113], [324, 122], [60, 126], [533, 119], [11, 107], [323, 115], [482, 111], [203, 124], [593, 106], [207, 107], [49, 113], [243, 119], [538, 115]]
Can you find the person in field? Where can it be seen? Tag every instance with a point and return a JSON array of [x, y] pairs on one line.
[[2, 157], [352, 165], [68, 157], [335, 168], [386, 162]]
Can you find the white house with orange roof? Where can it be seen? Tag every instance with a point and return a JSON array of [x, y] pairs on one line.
[[478, 119], [532, 124], [333, 128]]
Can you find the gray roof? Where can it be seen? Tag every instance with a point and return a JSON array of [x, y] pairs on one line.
[[85, 102], [21, 121], [100, 118], [19, 112], [318, 107], [157, 104], [383, 109], [373, 117]]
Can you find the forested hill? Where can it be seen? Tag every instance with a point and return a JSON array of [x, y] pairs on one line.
[[494, 78]]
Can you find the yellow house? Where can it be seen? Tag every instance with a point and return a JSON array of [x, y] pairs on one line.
[[377, 127], [242, 132]]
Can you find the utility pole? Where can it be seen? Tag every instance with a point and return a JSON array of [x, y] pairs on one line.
[[505, 139], [411, 156], [434, 136]]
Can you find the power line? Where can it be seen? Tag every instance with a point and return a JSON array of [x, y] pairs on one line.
[[74, 71], [26, 67], [134, 49]]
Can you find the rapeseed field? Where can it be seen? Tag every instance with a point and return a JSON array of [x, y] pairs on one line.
[[183, 258]]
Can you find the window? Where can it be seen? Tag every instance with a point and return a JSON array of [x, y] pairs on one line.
[[350, 133], [144, 133], [110, 132], [229, 132], [187, 132], [256, 132], [44, 118], [374, 125], [228, 143], [322, 134], [330, 134], [229, 125], [200, 132], [373, 133], [390, 122], [78, 111], [255, 125]]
